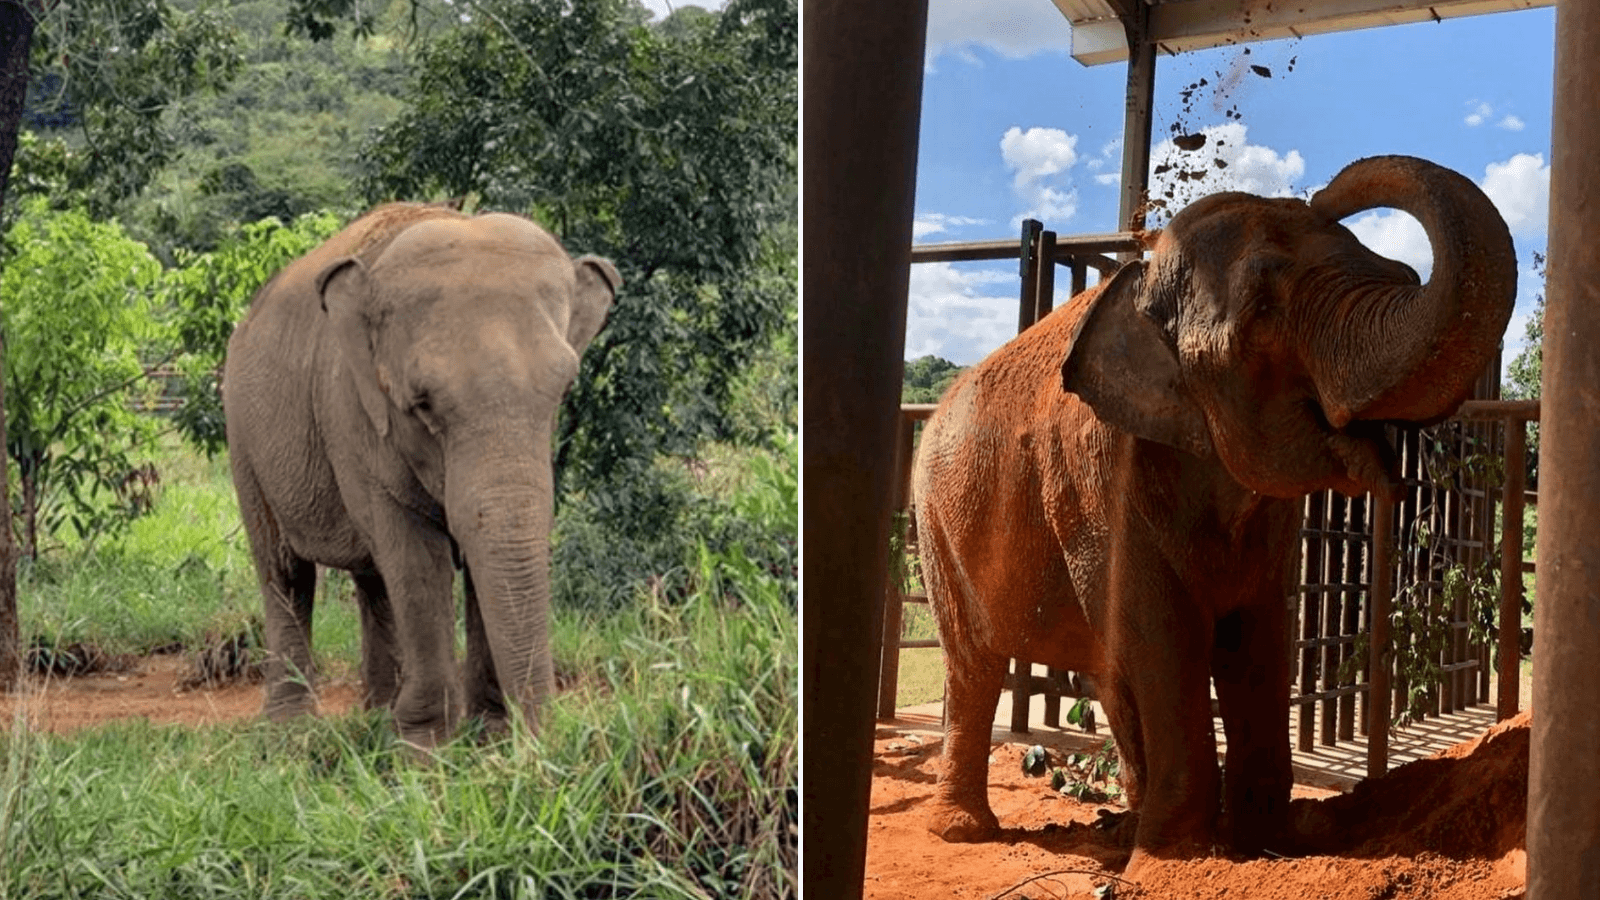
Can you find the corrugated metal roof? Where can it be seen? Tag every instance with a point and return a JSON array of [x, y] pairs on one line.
[[1179, 25]]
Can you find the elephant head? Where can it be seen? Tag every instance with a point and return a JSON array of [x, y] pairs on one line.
[[460, 337], [1262, 331]]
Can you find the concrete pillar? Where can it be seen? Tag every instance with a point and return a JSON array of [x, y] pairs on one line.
[[862, 102], [1564, 764]]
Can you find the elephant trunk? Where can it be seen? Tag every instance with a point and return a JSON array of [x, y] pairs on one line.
[[500, 513], [1408, 352]]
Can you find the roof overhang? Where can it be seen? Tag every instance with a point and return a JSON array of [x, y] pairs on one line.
[[1179, 25]]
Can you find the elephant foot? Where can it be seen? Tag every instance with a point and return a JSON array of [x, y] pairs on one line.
[[959, 825], [283, 705]]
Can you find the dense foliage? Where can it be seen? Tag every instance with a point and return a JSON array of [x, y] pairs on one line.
[[208, 292], [926, 379], [108, 71], [77, 313], [670, 149]]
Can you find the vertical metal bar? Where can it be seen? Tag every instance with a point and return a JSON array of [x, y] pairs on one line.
[[1080, 276], [1351, 624], [1137, 118], [1310, 616], [1333, 521], [1563, 767], [1510, 636], [894, 598], [861, 105], [1379, 651]]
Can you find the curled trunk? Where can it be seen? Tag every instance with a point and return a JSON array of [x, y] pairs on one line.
[[1408, 352]]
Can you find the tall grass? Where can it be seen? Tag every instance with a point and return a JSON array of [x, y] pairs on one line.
[[669, 770], [666, 768], [181, 575]]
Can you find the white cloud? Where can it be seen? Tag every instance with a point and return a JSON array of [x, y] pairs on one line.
[[964, 311], [1041, 157], [939, 223], [1396, 235], [960, 313], [1520, 189], [1012, 28], [1511, 123], [1037, 152], [1481, 112], [1227, 161]]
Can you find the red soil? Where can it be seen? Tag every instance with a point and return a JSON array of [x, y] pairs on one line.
[[1449, 827], [149, 690]]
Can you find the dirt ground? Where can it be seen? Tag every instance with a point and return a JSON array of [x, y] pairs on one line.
[[149, 688], [1450, 827]]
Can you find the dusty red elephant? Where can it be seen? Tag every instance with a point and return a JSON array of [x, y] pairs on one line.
[[1115, 490]]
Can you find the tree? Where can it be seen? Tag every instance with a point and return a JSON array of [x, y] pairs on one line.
[[16, 41], [1526, 370], [670, 149], [926, 379], [113, 69], [208, 293], [77, 309]]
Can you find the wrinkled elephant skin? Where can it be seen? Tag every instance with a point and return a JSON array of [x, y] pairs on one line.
[[1116, 491], [390, 404]]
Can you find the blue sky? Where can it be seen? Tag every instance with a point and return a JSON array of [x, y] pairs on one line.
[[1013, 126]]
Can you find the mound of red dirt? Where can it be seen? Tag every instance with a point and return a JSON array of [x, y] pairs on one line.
[[1449, 827]]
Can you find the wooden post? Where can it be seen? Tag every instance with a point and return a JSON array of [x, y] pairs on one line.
[[1029, 268], [1510, 636], [894, 596], [1045, 291], [861, 106], [1137, 117], [1379, 657]]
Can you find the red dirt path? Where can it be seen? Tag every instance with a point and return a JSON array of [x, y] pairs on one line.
[[149, 690], [1449, 827]]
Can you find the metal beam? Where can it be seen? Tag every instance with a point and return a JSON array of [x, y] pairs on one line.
[[1564, 764], [1176, 27], [862, 102]]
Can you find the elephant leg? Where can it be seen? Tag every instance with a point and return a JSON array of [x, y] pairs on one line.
[[289, 589], [485, 700], [1252, 677], [416, 567], [1122, 716], [288, 592], [960, 812], [380, 662], [1164, 659]]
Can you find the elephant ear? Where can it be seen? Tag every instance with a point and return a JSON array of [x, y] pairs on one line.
[[1120, 364], [598, 281], [345, 289]]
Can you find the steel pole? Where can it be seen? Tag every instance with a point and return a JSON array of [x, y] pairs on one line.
[[1564, 760], [862, 103]]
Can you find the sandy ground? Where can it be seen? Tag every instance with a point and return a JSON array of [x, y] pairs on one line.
[[149, 689], [1449, 827]]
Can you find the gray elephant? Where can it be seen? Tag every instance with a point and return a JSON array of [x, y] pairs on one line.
[[391, 399]]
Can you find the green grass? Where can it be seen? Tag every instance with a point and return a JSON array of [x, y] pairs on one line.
[[181, 574], [670, 768], [670, 772], [921, 670]]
